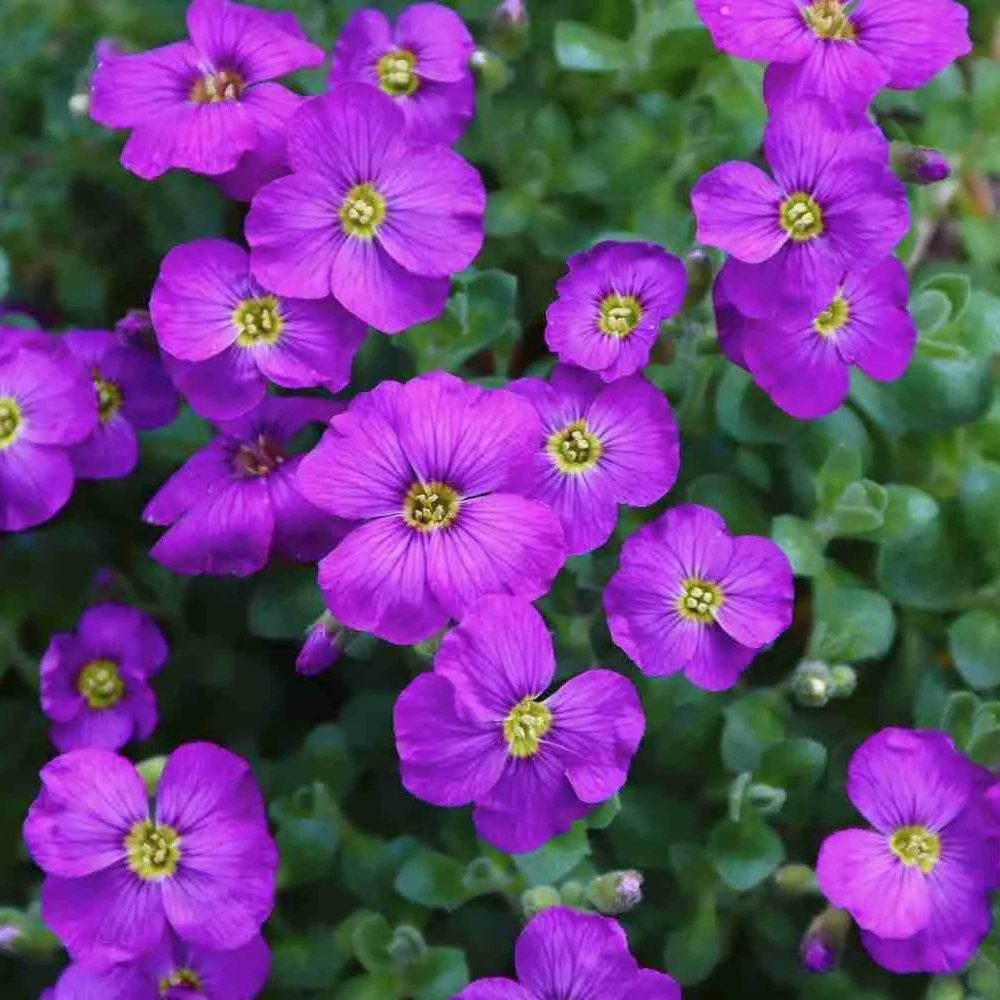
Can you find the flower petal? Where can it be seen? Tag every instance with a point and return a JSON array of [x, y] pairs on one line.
[[768, 30], [35, 484], [221, 388], [438, 38], [205, 473], [112, 451]]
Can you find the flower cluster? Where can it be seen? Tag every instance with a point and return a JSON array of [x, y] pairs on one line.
[[917, 884], [809, 289]]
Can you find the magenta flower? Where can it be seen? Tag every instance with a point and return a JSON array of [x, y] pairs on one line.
[[366, 215], [563, 954], [46, 405], [838, 49], [610, 305], [689, 598], [918, 884], [236, 502], [802, 358], [478, 730], [133, 394], [120, 872], [202, 104], [95, 683], [833, 205], [604, 444], [173, 970], [430, 469], [230, 335], [422, 64]]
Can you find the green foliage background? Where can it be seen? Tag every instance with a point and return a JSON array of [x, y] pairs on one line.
[[889, 510]]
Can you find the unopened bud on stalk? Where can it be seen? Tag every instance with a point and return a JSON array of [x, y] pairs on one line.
[[698, 265], [407, 947], [795, 880], [812, 684], [151, 770], [845, 680], [946, 988], [541, 897], [322, 647], [824, 940], [919, 164], [491, 69], [616, 892]]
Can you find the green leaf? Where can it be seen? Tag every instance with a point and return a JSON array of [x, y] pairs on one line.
[[731, 498], [974, 642], [310, 960], [800, 543], [859, 510], [695, 947], [442, 974], [604, 815], [956, 719], [746, 414], [984, 740], [956, 288], [581, 48], [744, 853], [842, 467], [922, 571], [850, 624], [930, 310], [309, 825], [908, 511], [752, 724], [370, 940], [434, 880], [554, 861], [285, 603], [794, 765]]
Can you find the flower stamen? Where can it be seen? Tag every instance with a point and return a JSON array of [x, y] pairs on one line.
[[525, 726], [430, 506], [834, 316], [699, 601], [109, 397], [362, 211], [213, 88], [152, 852], [575, 448], [180, 979], [258, 322], [101, 684], [829, 19], [11, 420], [801, 217], [619, 315], [396, 76], [257, 458], [916, 846]]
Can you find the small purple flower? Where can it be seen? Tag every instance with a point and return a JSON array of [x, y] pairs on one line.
[[610, 305], [563, 954], [173, 970], [236, 501], [604, 444], [918, 884], [366, 215], [133, 394], [322, 646], [802, 358], [833, 205], [95, 683], [431, 470], [837, 49], [689, 598], [422, 64], [202, 104], [120, 872], [226, 335], [478, 730], [511, 12], [46, 405]]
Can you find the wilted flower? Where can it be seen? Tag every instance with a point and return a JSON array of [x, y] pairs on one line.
[[478, 729], [95, 682]]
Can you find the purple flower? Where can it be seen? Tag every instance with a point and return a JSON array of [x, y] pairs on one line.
[[230, 335], [840, 50], [173, 970], [46, 405], [477, 729], [431, 470], [404, 217], [202, 104], [690, 598], [120, 872], [95, 683], [833, 205], [422, 64], [236, 501], [604, 444], [802, 357], [322, 646], [610, 306], [563, 954], [918, 884], [133, 394]]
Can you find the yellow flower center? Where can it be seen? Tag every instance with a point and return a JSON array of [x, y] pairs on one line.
[[226, 85], [180, 979], [801, 217], [396, 76], [525, 726], [699, 601], [101, 684], [109, 397], [257, 322], [259, 457], [152, 851], [430, 506], [619, 316], [829, 19], [575, 448], [834, 316], [916, 846], [362, 211], [10, 421]]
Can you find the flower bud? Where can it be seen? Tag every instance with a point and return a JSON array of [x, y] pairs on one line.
[[845, 680], [698, 265], [824, 940], [812, 684], [321, 649], [491, 69], [616, 892], [407, 947], [509, 30], [136, 328], [511, 12], [541, 897], [795, 880], [919, 164], [946, 988], [483, 875], [151, 770]]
